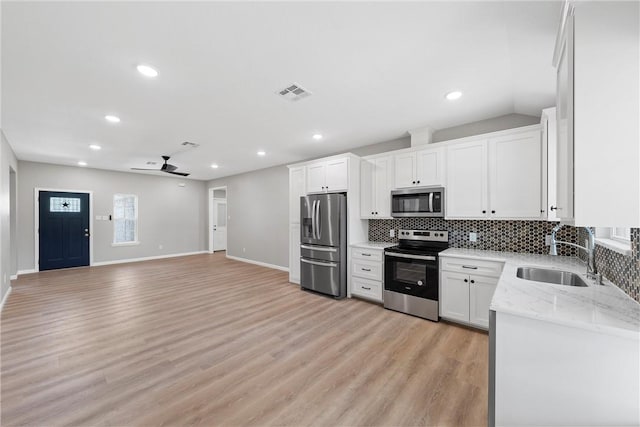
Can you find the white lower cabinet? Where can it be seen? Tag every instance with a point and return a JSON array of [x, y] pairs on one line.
[[294, 253], [367, 272], [466, 289]]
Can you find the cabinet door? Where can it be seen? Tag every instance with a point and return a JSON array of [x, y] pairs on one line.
[[383, 184], [466, 193], [564, 126], [454, 296], [296, 189], [337, 178], [316, 174], [481, 291], [405, 170], [294, 253], [367, 189], [430, 167], [515, 178]]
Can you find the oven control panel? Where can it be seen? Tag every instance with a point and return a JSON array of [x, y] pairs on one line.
[[424, 235]]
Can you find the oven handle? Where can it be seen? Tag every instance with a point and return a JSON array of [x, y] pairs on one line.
[[424, 257], [321, 264]]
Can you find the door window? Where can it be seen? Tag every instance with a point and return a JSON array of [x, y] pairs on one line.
[[64, 204]]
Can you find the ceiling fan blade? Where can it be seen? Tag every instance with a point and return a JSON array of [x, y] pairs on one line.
[[177, 173], [143, 169]]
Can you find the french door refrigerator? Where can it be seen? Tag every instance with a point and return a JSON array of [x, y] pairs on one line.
[[323, 248]]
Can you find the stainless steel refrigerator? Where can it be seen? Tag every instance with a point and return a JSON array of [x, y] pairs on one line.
[[323, 248]]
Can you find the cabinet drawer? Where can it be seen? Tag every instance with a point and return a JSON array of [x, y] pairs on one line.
[[366, 288], [367, 254], [366, 269], [472, 266]]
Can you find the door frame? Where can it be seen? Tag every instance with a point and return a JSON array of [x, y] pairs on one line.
[[36, 233], [210, 224]]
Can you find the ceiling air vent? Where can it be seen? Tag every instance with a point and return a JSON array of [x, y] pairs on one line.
[[190, 144], [295, 92]]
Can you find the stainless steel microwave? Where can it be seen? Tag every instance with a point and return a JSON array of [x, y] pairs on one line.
[[418, 202]]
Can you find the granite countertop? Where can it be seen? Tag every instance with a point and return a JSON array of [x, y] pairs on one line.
[[605, 308], [373, 245]]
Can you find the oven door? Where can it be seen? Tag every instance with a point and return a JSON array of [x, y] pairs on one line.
[[415, 275]]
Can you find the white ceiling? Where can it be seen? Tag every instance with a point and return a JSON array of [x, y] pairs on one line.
[[376, 70]]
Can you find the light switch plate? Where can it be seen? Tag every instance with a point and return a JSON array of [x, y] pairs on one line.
[[473, 237]]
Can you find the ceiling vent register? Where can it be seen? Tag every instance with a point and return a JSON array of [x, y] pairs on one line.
[[295, 92]]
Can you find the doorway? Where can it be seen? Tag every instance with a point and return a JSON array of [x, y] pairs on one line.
[[63, 232], [218, 219]]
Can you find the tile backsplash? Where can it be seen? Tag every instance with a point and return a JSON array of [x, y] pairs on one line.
[[522, 236], [508, 236]]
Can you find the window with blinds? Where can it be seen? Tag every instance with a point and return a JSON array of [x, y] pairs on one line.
[[125, 218]]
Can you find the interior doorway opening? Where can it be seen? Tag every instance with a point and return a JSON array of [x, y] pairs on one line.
[[218, 217]]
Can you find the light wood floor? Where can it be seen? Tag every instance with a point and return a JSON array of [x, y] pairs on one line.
[[210, 341]]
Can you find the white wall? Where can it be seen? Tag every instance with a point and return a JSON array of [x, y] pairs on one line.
[[8, 162], [169, 215], [508, 121]]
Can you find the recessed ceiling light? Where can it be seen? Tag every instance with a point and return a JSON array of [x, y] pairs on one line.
[[112, 119], [95, 147], [452, 96], [147, 71], [317, 137], [261, 153], [214, 166], [81, 163]]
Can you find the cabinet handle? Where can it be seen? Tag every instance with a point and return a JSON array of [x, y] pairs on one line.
[[493, 212], [473, 281], [372, 213], [541, 210], [414, 182], [418, 182], [470, 267], [484, 211], [553, 208], [465, 280], [365, 269], [364, 254], [376, 213], [366, 289]]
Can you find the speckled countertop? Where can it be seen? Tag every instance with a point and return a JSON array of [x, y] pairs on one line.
[[373, 245], [605, 308]]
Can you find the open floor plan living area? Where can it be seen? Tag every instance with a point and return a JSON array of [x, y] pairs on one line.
[[309, 213]]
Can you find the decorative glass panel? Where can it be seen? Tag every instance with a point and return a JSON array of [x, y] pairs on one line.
[[64, 204], [125, 215]]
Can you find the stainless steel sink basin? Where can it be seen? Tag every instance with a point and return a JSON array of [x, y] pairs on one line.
[[550, 276]]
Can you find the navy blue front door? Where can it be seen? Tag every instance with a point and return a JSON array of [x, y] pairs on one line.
[[64, 230]]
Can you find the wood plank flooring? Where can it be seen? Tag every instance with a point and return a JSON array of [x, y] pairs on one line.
[[203, 340]]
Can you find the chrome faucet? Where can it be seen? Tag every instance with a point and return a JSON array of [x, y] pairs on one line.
[[590, 249]]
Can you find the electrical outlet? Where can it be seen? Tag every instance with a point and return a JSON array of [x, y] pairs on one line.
[[547, 240], [392, 233], [473, 237], [244, 250]]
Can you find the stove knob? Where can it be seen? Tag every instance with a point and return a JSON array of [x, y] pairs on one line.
[[420, 283]]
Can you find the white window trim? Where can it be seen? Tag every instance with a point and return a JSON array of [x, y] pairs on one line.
[[132, 243], [604, 238]]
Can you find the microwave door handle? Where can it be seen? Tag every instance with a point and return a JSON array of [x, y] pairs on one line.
[[430, 202]]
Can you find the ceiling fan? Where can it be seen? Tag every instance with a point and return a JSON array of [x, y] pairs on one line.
[[166, 167]]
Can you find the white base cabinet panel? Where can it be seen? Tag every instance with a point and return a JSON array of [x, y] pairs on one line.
[[367, 273]]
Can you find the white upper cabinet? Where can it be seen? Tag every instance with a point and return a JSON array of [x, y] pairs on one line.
[[328, 176], [549, 162], [515, 177], [597, 59], [419, 168], [466, 191], [376, 183]]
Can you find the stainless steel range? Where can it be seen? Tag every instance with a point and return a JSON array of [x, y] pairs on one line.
[[411, 276]]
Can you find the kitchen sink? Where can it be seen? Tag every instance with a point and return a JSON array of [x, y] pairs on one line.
[[550, 276]]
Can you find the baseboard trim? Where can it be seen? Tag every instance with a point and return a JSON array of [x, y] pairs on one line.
[[4, 298], [30, 271], [260, 263], [147, 258]]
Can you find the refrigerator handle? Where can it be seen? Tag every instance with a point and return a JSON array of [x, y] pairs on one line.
[[313, 219], [318, 220]]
